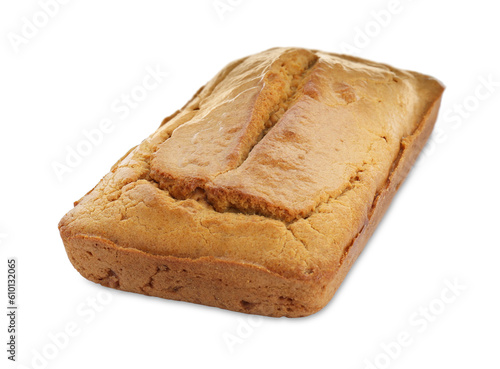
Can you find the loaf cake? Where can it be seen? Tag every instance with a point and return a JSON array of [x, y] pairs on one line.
[[259, 194]]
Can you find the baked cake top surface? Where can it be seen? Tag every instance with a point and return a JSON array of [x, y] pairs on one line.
[[276, 161]]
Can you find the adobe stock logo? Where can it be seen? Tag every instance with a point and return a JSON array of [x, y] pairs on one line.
[[419, 321], [245, 328], [222, 7], [454, 117], [380, 20], [122, 107], [486, 87], [58, 341], [31, 26]]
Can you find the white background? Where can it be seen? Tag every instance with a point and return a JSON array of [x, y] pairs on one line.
[[441, 228]]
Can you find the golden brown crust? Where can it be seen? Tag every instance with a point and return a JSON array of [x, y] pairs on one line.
[[230, 122], [132, 227]]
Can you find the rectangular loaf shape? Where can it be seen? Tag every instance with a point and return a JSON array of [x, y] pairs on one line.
[[259, 194]]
